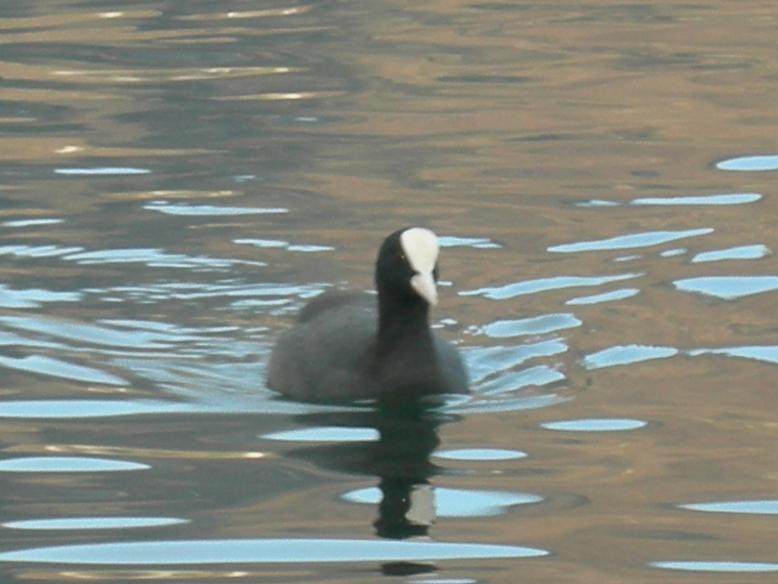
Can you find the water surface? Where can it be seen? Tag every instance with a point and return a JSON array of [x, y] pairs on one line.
[[177, 178]]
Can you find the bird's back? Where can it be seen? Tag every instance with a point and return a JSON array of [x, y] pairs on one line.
[[327, 355]]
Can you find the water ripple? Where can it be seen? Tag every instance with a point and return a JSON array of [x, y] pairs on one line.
[[38, 251], [530, 326], [626, 355], [732, 567], [693, 200], [766, 507], [31, 222], [261, 13], [52, 367], [764, 353], [218, 404], [595, 425], [619, 294], [511, 381], [484, 362], [457, 502], [94, 523], [94, 334], [544, 285], [241, 295], [209, 210], [705, 200], [88, 408], [507, 404], [68, 464], [33, 297], [743, 252], [161, 74], [728, 287], [153, 258], [630, 241], [480, 454], [102, 171], [749, 163], [13, 340], [251, 551], [326, 434], [474, 242], [275, 243]]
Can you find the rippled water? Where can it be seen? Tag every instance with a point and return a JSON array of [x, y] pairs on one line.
[[178, 178]]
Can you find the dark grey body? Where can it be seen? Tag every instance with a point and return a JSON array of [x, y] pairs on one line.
[[333, 354]]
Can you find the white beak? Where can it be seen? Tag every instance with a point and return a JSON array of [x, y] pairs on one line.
[[424, 284]]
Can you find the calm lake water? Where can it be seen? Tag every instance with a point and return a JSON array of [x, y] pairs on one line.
[[177, 178]]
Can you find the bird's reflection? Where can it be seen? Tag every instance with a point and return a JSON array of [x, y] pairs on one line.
[[400, 459], [407, 437]]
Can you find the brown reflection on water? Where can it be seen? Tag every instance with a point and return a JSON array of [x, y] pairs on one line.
[[132, 452], [705, 441], [172, 575]]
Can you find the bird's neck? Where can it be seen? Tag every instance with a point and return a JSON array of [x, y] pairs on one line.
[[406, 360], [403, 326]]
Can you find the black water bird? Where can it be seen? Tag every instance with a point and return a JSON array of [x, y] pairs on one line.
[[350, 345]]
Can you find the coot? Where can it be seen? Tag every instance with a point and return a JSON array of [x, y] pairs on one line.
[[350, 345]]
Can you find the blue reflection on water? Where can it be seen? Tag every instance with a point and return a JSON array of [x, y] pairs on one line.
[[544, 285], [52, 367], [699, 566], [458, 502], [619, 294], [219, 404], [101, 171], [487, 361], [595, 425], [151, 257], [38, 251], [294, 551], [33, 297], [630, 241], [742, 252], [765, 353], [326, 434], [750, 163], [89, 408], [240, 295], [508, 404], [8, 339], [692, 200], [30, 222], [597, 203], [99, 335], [186, 209], [766, 507], [154, 258], [475, 242], [531, 326], [94, 523], [511, 381], [67, 464], [626, 354], [480, 454], [728, 287], [278, 244], [726, 199]]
